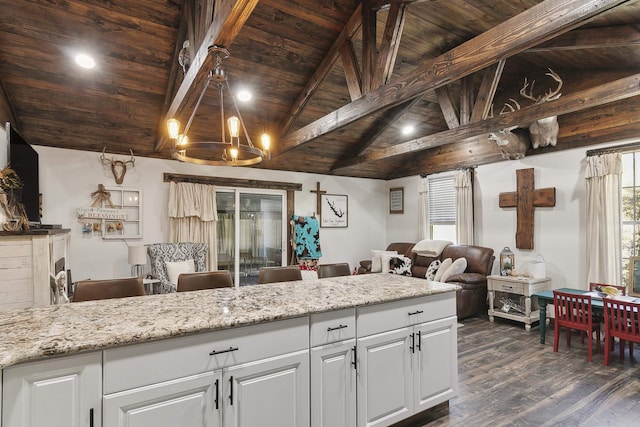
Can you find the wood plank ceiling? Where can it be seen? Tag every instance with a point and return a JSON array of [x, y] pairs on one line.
[[333, 82]]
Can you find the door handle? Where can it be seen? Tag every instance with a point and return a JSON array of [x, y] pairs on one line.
[[411, 313], [91, 417], [217, 392], [353, 361], [231, 391], [230, 349], [336, 328], [412, 347], [419, 341]]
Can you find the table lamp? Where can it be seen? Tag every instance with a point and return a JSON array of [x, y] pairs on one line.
[[137, 258]]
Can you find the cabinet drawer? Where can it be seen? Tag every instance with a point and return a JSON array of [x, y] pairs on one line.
[[149, 363], [398, 314], [514, 288], [333, 326]]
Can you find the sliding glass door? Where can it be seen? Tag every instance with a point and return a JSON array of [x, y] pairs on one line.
[[251, 232]]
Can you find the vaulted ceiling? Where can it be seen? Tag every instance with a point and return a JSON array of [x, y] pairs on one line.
[[334, 81]]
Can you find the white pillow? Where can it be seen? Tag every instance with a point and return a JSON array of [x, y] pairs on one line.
[[433, 268], [174, 269], [443, 267], [457, 267], [376, 260]]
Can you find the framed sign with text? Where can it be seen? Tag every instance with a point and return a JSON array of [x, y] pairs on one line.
[[396, 200], [335, 211]]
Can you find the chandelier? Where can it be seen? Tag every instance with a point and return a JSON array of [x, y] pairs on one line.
[[218, 153]]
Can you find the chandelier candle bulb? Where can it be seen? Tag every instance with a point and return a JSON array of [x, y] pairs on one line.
[[173, 126]]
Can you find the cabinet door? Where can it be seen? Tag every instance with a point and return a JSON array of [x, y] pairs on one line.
[[271, 392], [333, 385], [192, 401], [62, 392], [384, 378], [435, 370]]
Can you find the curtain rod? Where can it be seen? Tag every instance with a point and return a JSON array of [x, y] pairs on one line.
[[471, 168], [632, 146], [232, 182]]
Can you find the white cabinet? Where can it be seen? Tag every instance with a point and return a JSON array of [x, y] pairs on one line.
[[406, 370], [333, 369], [192, 401], [65, 392], [268, 393], [255, 375]]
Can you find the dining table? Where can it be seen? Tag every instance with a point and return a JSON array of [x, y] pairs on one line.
[[546, 297]]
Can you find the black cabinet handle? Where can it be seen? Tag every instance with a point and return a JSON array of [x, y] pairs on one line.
[[412, 347], [336, 328], [415, 312], [231, 391], [230, 349], [91, 417], [217, 392], [353, 361], [419, 341]]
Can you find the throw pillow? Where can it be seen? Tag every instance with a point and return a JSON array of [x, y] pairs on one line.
[[174, 269], [457, 267], [376, 259], [400, 265], [443, 267], [431, 271]]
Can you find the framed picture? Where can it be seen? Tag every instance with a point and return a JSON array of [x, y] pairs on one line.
[[396, 200], [335, 211], [634, 276]]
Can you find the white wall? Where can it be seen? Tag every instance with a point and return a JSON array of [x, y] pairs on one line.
[[4, 147], [68, 177], [559, 232]]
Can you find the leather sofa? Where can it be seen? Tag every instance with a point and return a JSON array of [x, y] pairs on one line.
[[471, 298]]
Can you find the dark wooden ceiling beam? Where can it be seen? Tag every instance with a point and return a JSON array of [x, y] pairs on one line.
[[466, 99], [327, 63], [351, 70], [229, 17], [369, 48], [448, 107], [487, 91], [390, 45], [531, 27], [590, 38], [603, 94]]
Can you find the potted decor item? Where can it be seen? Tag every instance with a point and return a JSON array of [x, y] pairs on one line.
[[10, 194], [507, 262]]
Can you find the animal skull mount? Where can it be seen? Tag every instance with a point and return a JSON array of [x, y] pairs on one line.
[[513, 142], [544, 131], [118, 167]]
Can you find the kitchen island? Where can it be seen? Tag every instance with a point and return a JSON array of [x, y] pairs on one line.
[[141, 360]]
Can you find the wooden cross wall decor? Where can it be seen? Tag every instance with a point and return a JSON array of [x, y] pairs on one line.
[[319, 194], [525, 200]]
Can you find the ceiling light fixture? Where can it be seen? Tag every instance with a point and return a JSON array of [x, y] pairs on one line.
[[85, 61], [409, 129], [231, 153]]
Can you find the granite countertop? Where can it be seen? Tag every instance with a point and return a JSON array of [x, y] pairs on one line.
[[34, 333]]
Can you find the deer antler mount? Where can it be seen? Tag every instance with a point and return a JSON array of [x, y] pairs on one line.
[[118, 167]]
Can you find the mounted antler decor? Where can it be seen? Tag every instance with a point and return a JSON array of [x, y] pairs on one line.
[[544, 131], [513, 142], [118, 167]]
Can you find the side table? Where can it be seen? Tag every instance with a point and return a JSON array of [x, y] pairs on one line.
[[520, 287]]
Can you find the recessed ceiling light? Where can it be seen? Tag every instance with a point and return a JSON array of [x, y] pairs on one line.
[[85, 61], [408, 130], [244, 95]]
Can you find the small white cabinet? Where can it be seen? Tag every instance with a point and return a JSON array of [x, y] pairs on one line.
[[408, 369], [333, 369], [64, 392]]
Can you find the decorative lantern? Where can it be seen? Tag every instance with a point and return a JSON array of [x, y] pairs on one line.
[[507, 261]]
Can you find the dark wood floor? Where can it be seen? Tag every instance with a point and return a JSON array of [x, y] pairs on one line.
[[507, 378]]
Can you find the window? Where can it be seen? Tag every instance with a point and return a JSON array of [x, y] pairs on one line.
[[630, 210], [442, 208]]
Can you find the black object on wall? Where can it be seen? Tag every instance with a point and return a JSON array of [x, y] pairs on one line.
[[24, 160]]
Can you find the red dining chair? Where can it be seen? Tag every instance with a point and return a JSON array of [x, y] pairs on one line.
[[573, 311], [620, 320]]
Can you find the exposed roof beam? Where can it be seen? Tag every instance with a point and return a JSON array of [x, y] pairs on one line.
[[369, 50], [229, 17], [390, 45], [351, 71], [487, 91], [589, 38], [448, 107], [323, 69], [603, 94], [533, 26]]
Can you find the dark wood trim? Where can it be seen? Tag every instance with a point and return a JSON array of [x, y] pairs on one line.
[[591, 38], [232, 182], [623, 148]]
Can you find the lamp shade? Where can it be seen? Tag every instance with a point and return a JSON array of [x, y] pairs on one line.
[[137, 255]]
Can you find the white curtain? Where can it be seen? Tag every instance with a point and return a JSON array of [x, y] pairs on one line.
[[424, 231], [603, 218], [193, 216], [464, 207]]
